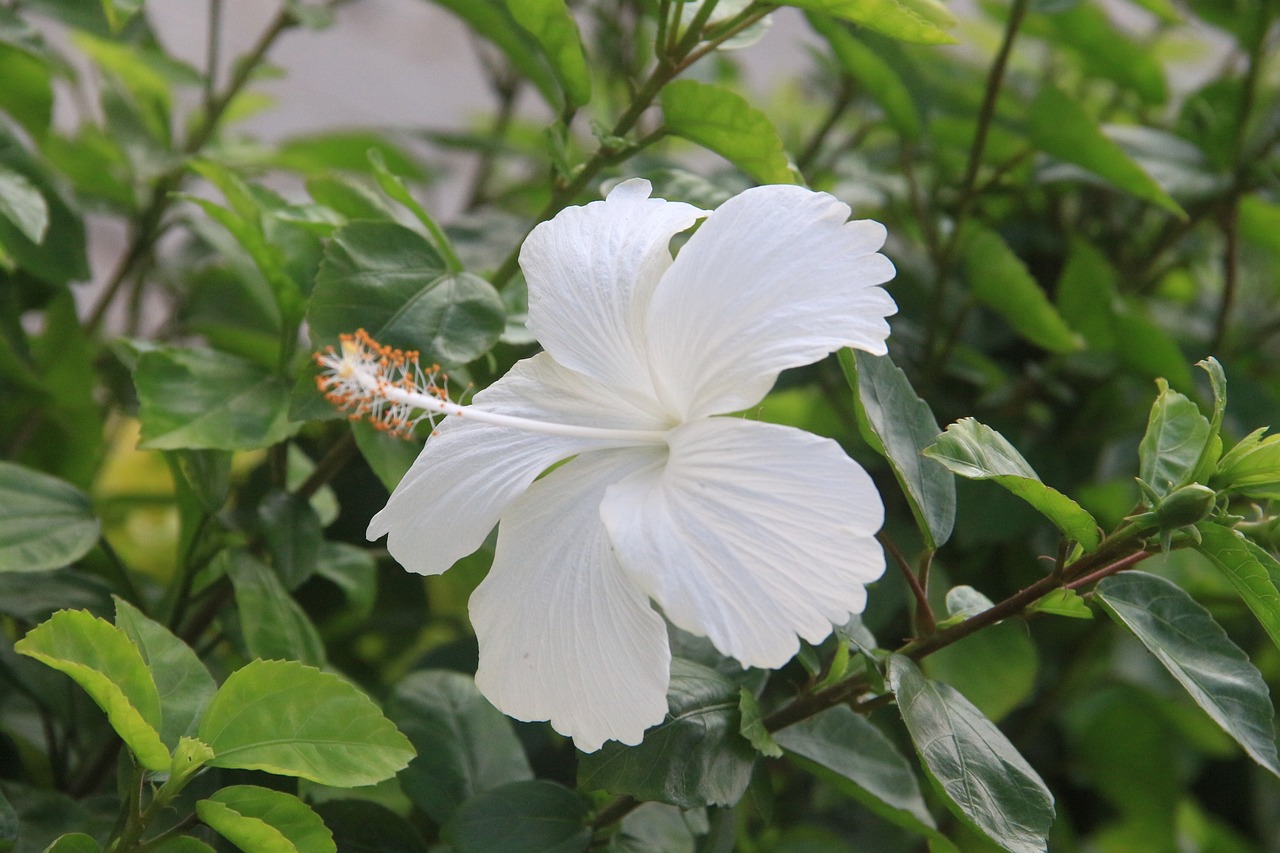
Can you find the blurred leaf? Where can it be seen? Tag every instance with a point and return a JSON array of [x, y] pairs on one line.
[[1197, 652], [874, 76], [182, 682], [553, 26], [350, 199], [27, 94], [294, 720], [918, 21], [275, 627], [1086, 294], [100, 658], [45, 523], [144, 73], [1175, 437], [74, 842], [56, 590], [389, 456], [259, 820], [361, 826], [354, 571], [1107, 53], [8, 824], [1060, 127], [974, 450], [60, 256], [899, 426], [206, 473], [492, 20], [995, 668], [292, 530], [985, 781], [1148, 351], [521, 817], [465, 746], [119, 12], [693, 758], [342, 151], [721, 120], [208, 399], [1252, 571], [659, 828]]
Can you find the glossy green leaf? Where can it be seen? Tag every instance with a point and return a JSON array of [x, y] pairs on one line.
[[465, 746], [693, 758], [521, 817], [1251, 569], [182, 682], [260, 820], [210, 400], [1060, 127], [294, 720], [23, 205], [721, 120], [45, 523], [974, 450], [874, 76], [1197, 652], [388, 280], [1000, 280], [918, 21], [274, 625], [101, 659], [553, 27], [899, 425], [74, 842], [1173, 443], [493, 21], [984, 780]]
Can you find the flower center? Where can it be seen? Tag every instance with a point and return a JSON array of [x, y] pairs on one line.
[[389, 388]]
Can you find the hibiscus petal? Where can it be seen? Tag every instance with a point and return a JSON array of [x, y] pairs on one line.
[[564, 634], [469, 473], [774, 278], [750, 534], [590, 272]]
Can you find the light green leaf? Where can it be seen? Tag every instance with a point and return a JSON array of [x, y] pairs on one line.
[[492, 20], [1251, 468], [274, 625], [1062, 602], [100, 658], [720, 119], [73, 842], [27, 94], [465, 746], [974, 450], [521, 817], [294, 720], [1060, 127], [182, 682], [1106, 53], [553, 26], [119, 12], [874, 76], [45, 523], [918, 21], [899, 425], [1251, 569], [751, 725], [323, 154], [208, 399], [22, 204], [1197, 652], [983, 778], [260, 820], [1173, 443], [1000, 280]]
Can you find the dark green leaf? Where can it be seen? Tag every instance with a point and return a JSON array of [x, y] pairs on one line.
[[1147, 350], [919, 21], [354, 571], [983, 778], [361, 826], [995, 668], [8, 825], [1197, 652], [521, 817], [659, 828], [45, 523], [390, 456], [1174, 441], [206, 473], [59, 589], [1087, 295], [720, 119], [260, 820], [60, 257], [553, 26], [1251, 570], [275, 627], [74, 842], [23, 205], [292, 530]]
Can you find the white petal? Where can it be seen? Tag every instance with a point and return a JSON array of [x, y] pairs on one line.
[[469, 473], [750, 534], [590, 272], [774, 278], [564, 634]]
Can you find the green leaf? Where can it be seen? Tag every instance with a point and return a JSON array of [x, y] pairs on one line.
[[693, 758], [1062, 602], [985, 781], [721, 120], [74, 842], [260, 820], [323, 154], [390, 456], [294, 720], [23, 205], [182, 682], [751, 725], [974, 450], [1173, 443], [45, 523], [8, 825], [273, 624], [918, 21], [1251, 569], [465, 746], [1147, 349], [1060, 127], [389, 281], [899, 425], [1106, 53], [27, 94], [1251, 468], [354, 571], [1000, 280], [363, 826], [521, 817], [208, 399], [119, 12], [1197, 652], [994, 668], [492, 20], [100, 658], [60, 257], [874, 76], [291, 528], [553, 26], [866, 765], [1086, 294]]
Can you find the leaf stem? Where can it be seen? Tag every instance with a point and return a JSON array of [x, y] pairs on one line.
[[926, 622]]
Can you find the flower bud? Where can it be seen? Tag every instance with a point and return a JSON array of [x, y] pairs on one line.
[[1185, 506]]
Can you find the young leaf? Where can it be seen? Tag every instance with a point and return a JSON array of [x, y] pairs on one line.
[[1251, 569], [274, 625], [720, 119], [918, 21], [751, 725], [553, 26], [1251, 468], [119, 12], [694, 758], [983, 778], [1173, 443], [45, 523], [521, 817], [260, 820], [974, 450], [22, 204], [294, 720], [465, 746], [1197, 652], [1062, 602], [100, 658], [899, 425]]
